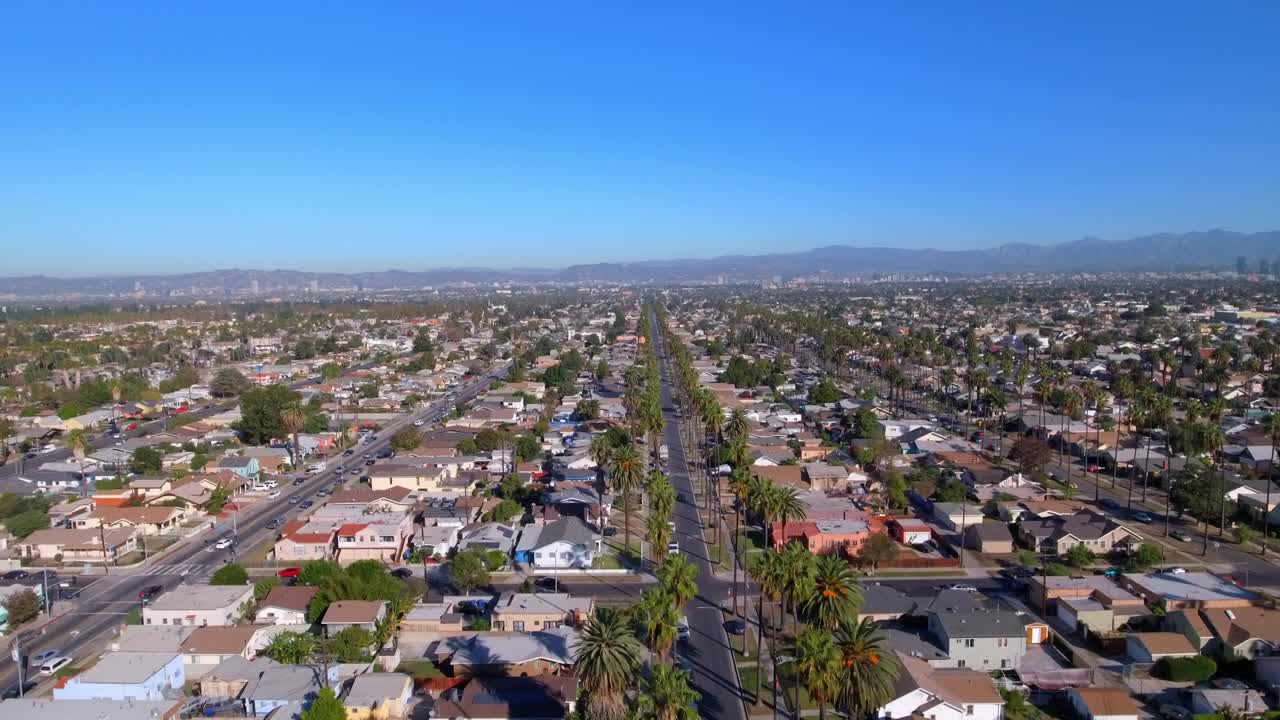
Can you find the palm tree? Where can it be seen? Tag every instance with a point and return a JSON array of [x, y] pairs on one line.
[[659, 618], [628, 472], [291, 648], [79, 444], [797, 586], [769, 572], [785, 505], [679, 578], [600, 453], [836, 593], [738, 424], [1273, 431], [666, 695], [606, 661], [294, 419], [1073, 404], [817, 665], [740, 484], [868, 669], [659, 535]]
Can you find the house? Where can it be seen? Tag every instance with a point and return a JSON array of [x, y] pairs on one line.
[[984, 640], [429, 619], [909, 531], [1103, 703], [275, 686], [510, 653], [1248, 632], [431, 481], [148, 520], [1206, 701], [343, 614], [510, 698], [1091, 600], [199, 605], [1187, 590], [540, 611], [61, 544], [151, 638], [1059, 533], [207, 647], [829, 478], [247, 468], [126, 676], [563, 543], [956, 516], [285, 605], [992, 538], [922, 691], [378, 696], [823, 536], [41, 709], [1148, 647], [302, 541], [882, 603], [390, 500], [488, 536], [377, 537]]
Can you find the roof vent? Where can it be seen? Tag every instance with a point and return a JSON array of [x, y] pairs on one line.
[[1231, 615]]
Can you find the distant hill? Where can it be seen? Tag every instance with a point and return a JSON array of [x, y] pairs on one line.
[[1163, 252]]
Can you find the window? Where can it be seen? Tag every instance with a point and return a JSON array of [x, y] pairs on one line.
[[968, 709], [960, 663], [968, 642], [518, 625], [1004, 663]]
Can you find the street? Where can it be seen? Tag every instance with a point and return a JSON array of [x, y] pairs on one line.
[[707, 650], [104, 603]]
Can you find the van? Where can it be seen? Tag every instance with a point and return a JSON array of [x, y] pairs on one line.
[[52, 666]]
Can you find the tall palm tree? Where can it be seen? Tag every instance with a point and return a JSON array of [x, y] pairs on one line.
[[294, 419], [600, 453], [868, 668], [798, 574], [79, 445], [738, 424], [1073, 404], [785, 506], [817, 665], [679, 578], [1273, 431], [659, 534], [740, 484], [836, 593], [997, 401], [666, 695], [606, 661], [769, 572], [628, 472], [659, 618]]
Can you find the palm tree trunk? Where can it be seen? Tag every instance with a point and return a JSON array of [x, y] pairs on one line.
[[733, 556], [1266, 510], [1147, 473], [760, 630]]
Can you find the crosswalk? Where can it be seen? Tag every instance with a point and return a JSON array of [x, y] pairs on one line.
[[191, 572]]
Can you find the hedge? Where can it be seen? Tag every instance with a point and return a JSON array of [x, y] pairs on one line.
[[1190, 669]]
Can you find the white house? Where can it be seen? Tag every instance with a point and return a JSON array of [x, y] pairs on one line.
[[942, 693], [564, 543]]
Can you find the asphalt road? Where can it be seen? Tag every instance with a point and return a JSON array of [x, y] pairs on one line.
[[707, 649], [104, 603]]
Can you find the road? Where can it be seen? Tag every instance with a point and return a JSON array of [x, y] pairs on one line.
[[707, 649], [104, 603]]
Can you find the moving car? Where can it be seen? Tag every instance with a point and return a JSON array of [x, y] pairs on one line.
[[1142, 517], [963, 588], [16, 575], [52, 666], [273, 494], [682, 628], [41, 658], [305, 504], [1180, 535], [148, 593], [673, 548], [736, 627], [223, 544], [545, 583]]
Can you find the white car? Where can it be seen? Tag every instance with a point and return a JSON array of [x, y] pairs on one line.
[[1176, 570], [273, 494], [419, 423], [964, 588], [47, 449], [223, 544], [673, 548]]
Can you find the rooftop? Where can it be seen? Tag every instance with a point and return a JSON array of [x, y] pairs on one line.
[[201, 597], [126, 668]]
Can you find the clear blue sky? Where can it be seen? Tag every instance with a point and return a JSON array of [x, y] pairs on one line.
[[151, 136]]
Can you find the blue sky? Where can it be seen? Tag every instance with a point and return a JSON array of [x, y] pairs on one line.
[[154, 137]]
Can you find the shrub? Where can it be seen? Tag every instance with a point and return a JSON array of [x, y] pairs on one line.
[[1191, 669]]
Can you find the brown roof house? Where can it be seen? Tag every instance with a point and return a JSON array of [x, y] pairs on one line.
[[992, 538], [353, 613], [1248, 632], [285, 605], [148, 520], [525, 698], [1148, 647], [1103, 703]]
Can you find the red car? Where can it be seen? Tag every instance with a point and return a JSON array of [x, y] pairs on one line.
[[1094, 468], [289, 572], [131, 427]]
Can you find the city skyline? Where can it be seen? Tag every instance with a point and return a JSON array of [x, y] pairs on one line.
[[158, 140]]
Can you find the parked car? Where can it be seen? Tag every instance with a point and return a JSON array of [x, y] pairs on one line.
[[1175, 712], [289, 572], [1180, 535], [1176, 570], [273, 494], [402, 573], [299, 481], [348, 453], [546, 583], [673, 548], [682, 628], [736, 627], [16, 575], [962, 587]]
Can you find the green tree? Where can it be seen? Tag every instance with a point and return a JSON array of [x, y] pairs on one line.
[[869, 668], [505, 511], [291, 648], [1242, 534], [22, 606], [262, 413], [27, 522], [330, 371], [953, 492], [146, 461], [1079, 556], [824, 392], [878, 549], [351, 644], [230, 574], [468, 570], [679, 578], [836, 593], [527, 447], [317, 572], [817, 666], [263, 587], [602, 369], [666, 695], [406, 439], [217, 500], [228, 382], [326, 706], [606, 661], [1148, 555]]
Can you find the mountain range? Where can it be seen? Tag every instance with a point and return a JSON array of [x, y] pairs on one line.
[[1210, 249]]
